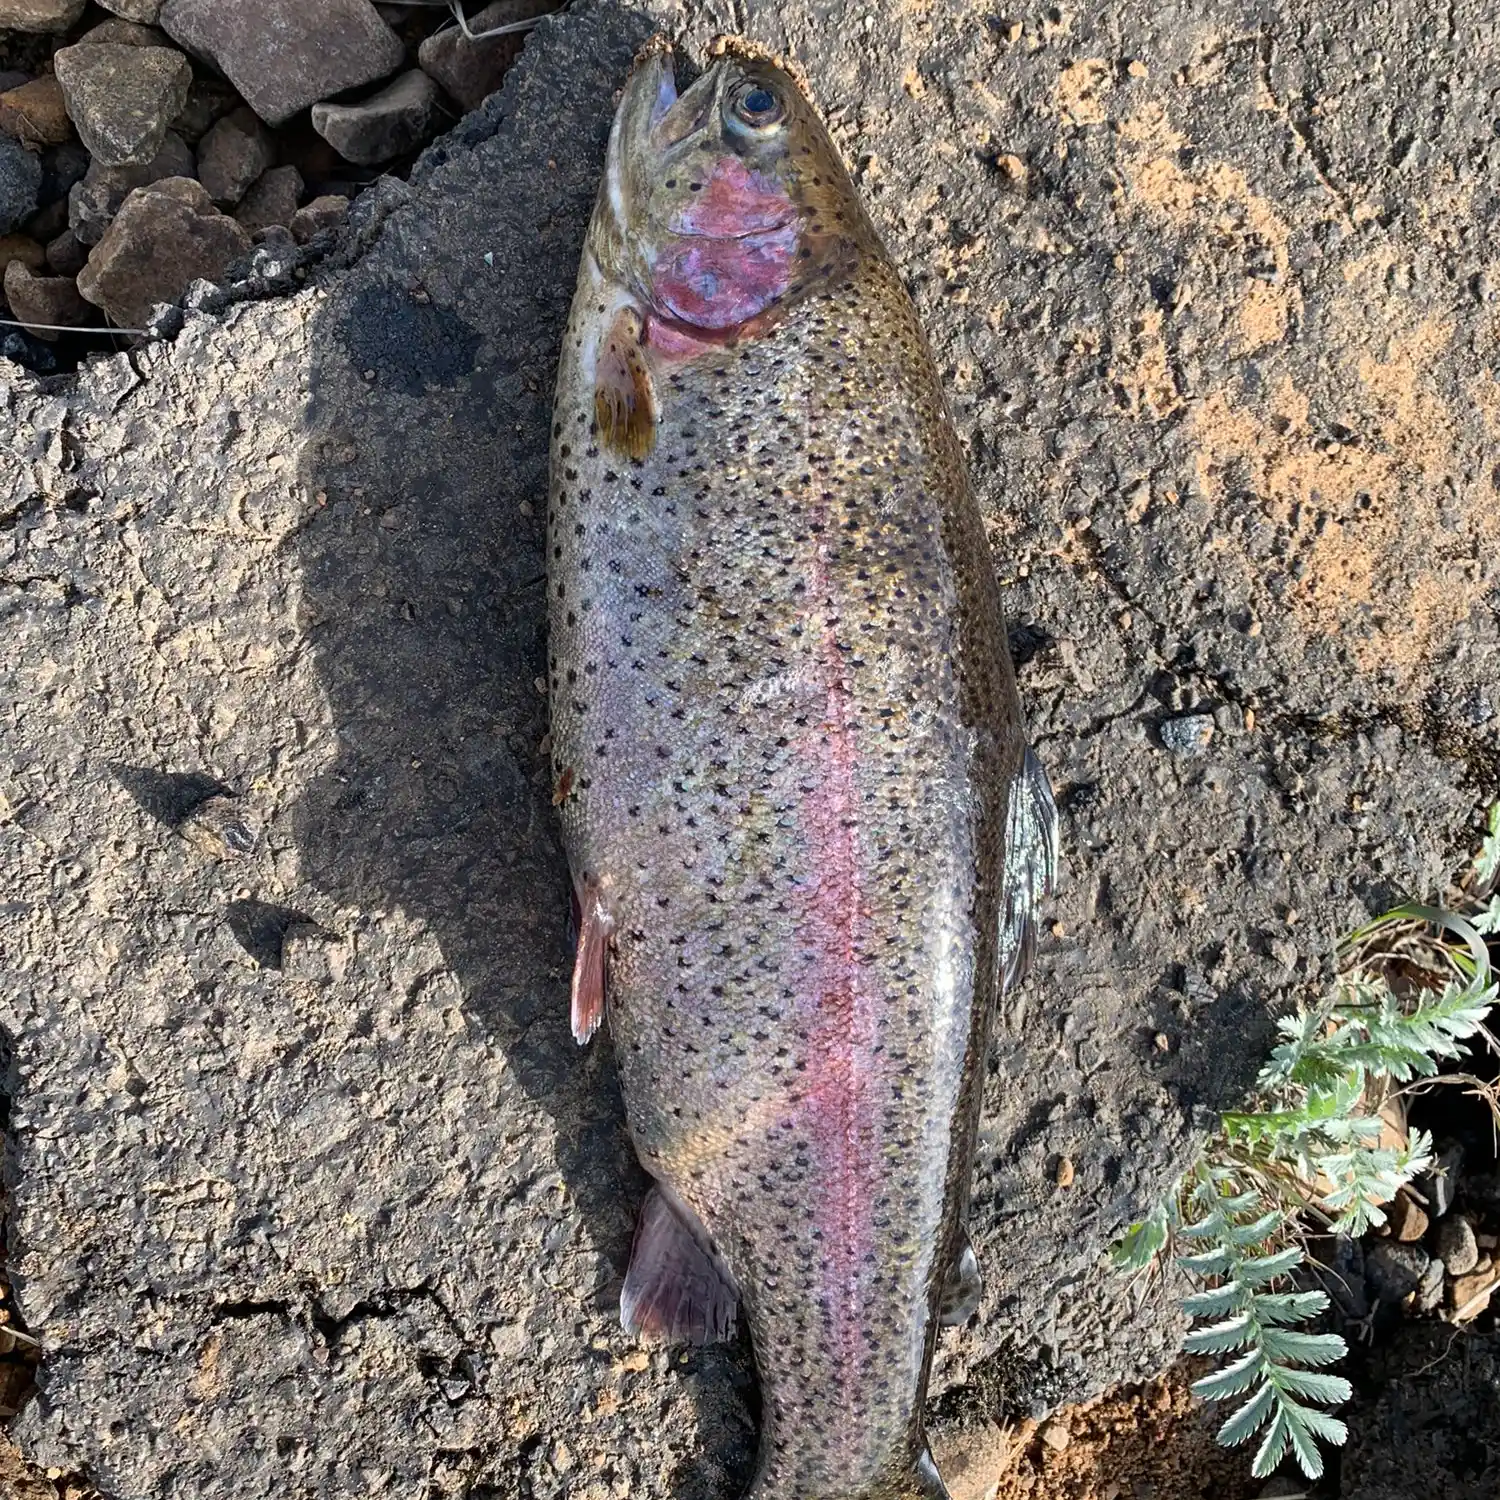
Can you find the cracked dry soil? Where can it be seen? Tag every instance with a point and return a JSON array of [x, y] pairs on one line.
[[309, 1193]]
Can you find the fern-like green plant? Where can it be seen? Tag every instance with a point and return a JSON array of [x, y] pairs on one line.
[[1314, 1143]]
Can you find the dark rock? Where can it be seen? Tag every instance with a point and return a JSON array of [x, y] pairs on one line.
[[209, 100], [40, 15], [93, 202], [20, 181], [48, 222], [1189, 735], [1393, 1271], [23, 248], [134, 10], [322, 214], [283, 55], [1482, 1191], [12, 78], [67, 254], [122, 98], [126, 34], [40, 301], [1456, 1246], [62, 166], [27, 351], [398, 119], [1440, 1185], [271, 200], [233, 154], [164, 237], [470, 71], [35, 114]]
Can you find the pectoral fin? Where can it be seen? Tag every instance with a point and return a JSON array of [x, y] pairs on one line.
[[964, 1286], [1030, 866], [624, 396], [594, 925], [676, 1288]]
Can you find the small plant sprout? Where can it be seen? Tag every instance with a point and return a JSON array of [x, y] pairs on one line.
[[1414, 987]]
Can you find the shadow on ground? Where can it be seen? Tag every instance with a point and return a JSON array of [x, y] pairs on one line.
[[424, 603]]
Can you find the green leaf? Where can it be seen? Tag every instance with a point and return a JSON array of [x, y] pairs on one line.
[[1309, 1460], [1314, 1385], [1220, 1338], [1143, 1242], [1214, 1302], [1320, 1424], [1259, 1270], [1487, 864], [1287, 1307], [1207, 1263], [1274, 1445], [1288, 1346], [1242, 1425], [1232, 1380]]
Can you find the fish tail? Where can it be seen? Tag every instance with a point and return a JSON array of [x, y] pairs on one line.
[[919, 1480]]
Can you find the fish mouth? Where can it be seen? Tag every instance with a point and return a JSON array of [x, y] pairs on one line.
[[656, 127]]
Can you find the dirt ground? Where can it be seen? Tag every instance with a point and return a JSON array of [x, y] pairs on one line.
[[310, 1192]]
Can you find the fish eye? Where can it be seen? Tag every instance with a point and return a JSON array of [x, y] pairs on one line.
[[756, 106]]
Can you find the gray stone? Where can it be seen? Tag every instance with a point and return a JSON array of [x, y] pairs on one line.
[[398, 119], [134, 10], [1456, 1246], [209, 100], [40, 15], [233, 154], [93, 202], [43, 303], [1191, 734], [29, 353], [259, 1223], [1430, 1293], [271, 200], [126, 34], [1394, 1271], [283, 55], [66, 253], [122, 98], [319, 216], [20, 180], [470, 71], [163, 237]]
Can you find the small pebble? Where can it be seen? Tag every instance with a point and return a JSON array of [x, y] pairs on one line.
[[1190, 735], [1065, 1172], [1456, 1245], [222, 827], [1407, 1220], [1056, 1436], [1470, 1294]]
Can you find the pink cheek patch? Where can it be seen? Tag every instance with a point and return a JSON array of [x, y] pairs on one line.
[[735, 200], [718, 283]]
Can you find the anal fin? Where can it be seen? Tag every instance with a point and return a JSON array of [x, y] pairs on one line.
[[1030, 866], [587, 997], [624, 396], [676, 1288], [963, 1287]]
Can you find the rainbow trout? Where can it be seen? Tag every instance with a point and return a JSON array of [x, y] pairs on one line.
[[806, 834]]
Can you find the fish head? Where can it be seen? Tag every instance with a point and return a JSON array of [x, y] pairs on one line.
[[727, 200]]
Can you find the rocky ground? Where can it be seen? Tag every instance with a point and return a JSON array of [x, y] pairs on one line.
[[149, 144], [309, 1191]]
